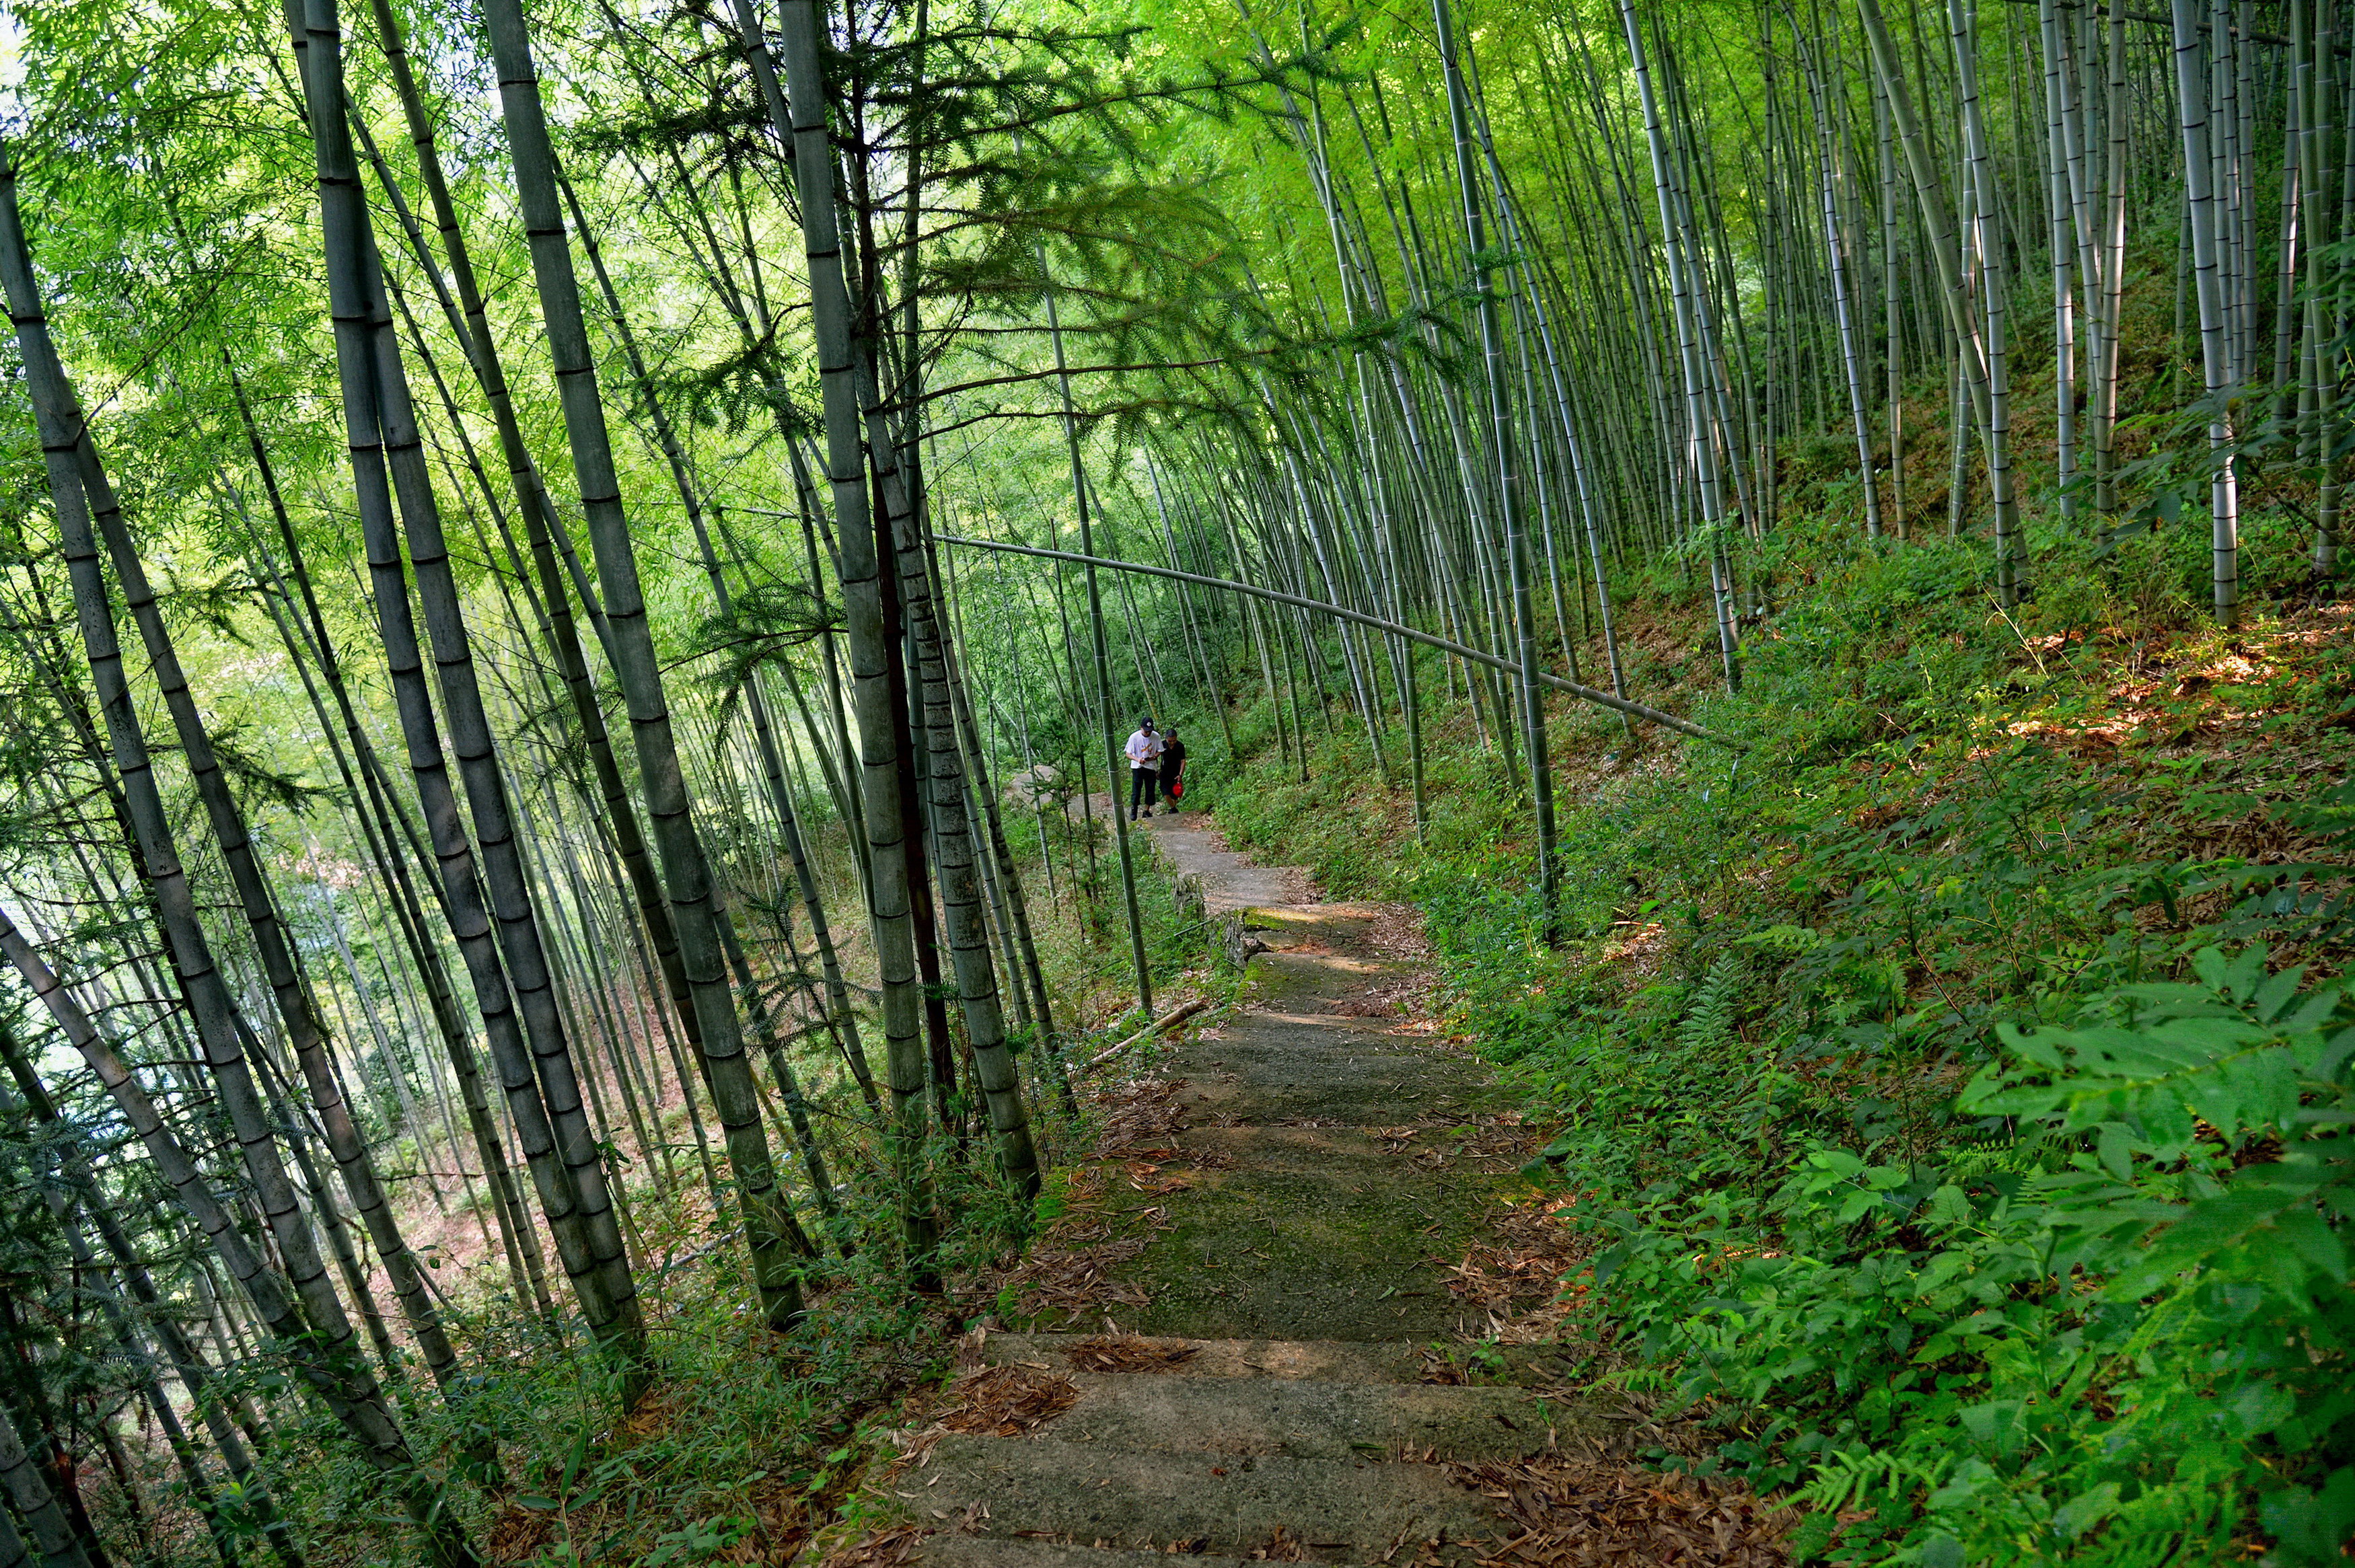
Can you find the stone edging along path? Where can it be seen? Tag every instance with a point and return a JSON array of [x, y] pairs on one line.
[[1299, 1307]]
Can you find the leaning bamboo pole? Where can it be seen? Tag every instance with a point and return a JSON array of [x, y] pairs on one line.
[[341, 1377], [1412, 634], [492, 916], [463, 302], [844, 1018], [296, 1006], [60, 1542]]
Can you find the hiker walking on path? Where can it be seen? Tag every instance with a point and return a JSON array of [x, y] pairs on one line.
[[1144, 749], [1173, 768]]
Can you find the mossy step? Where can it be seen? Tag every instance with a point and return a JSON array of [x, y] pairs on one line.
[[1337, 1045], [1335, 1509], [1277, 1145], [1317, 1096], [1342, 1361], [1282, 980], [1343, 1214], [1327, 1360], [1248, 1302], [1349, 1154], [1346, 1249]]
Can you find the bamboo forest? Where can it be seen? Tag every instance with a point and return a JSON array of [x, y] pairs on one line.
[[999, 783]]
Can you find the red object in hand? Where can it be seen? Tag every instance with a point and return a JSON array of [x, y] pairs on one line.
[[1176, 789]]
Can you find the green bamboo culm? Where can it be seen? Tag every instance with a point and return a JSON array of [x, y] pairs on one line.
[[801, 129], [685, 870], [1508, 485], [334, 1368], [489, 900]]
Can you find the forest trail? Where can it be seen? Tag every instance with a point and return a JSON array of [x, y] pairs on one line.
[[1290, 1374]]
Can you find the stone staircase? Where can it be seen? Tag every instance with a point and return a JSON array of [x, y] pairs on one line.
[[1284, 1395], [1246, 1450]]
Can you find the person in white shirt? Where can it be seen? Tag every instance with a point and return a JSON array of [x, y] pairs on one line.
[[1144, 749]]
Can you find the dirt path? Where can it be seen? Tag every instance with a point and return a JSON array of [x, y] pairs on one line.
[[1284, 1194]]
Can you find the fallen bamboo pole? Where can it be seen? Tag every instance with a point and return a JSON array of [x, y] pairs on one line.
[[1176, 1017]]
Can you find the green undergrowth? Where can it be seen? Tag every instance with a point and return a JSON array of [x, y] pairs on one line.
[[1089, 964], [744, 1443], [747, 1442], [1948, 1090]]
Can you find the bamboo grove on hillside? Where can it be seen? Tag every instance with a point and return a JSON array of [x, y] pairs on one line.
[[574, 576]]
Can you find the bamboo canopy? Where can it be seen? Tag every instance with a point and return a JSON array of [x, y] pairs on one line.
[[576, 578]]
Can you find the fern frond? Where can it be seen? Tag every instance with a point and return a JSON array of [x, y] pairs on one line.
[[1710, 1022]]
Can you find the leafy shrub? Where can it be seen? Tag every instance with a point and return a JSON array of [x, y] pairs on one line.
[[2090, 1333], [1938, 1159]]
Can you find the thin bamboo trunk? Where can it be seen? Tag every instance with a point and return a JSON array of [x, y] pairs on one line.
[[313, 1334], [1108, 721], [1974, 352], [2216, 358], [548, 540], [844, 1017], [78, 1187], [1700, 439], [686, 870], [359, 1403], [1851, 356], [2062, 204], [802, 130], [507, 962]]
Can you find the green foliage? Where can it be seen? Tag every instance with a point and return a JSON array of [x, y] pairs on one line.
[[2106, 1330], [1960, 1132], [1709, 1025]]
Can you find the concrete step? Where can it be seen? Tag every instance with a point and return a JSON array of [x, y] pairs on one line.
[[1298, 1255], [951, 1551], [1350, 1156], [1306, 1418], [1304, 1094], [1336, 1510], [1257, 1046]]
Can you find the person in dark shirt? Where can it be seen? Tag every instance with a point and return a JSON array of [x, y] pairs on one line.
[[1173, 767]]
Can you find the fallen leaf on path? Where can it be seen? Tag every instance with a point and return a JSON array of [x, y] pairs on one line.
[[1073, 1279], [1281, 1547], [1130, 1353], [1515, 1270], [1574, 1513], [1008, 1401], [878, 1548]]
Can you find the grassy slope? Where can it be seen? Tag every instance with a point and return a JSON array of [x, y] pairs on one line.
[[1781, 969]]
